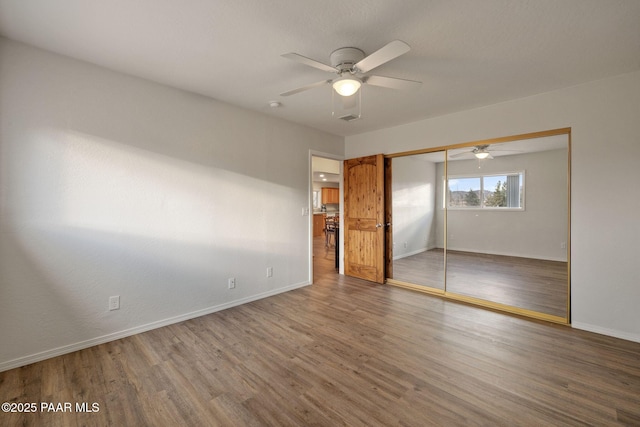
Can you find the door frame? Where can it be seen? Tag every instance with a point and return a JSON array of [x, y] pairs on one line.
[[340, 159]]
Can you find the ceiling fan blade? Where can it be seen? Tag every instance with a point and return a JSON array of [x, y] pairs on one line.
[[392, 82], [384, 54], [303, 88], [310, 62], [453, 156]]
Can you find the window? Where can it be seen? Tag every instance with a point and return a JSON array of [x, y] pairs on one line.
[[316, 199], [496, 191]]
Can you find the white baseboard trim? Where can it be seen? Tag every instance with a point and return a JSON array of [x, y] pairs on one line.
[[416, 252], [408, 254], [606, 331], [47, 354], [519, 255]]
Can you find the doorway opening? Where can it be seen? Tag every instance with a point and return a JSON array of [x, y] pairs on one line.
[[326, 208]]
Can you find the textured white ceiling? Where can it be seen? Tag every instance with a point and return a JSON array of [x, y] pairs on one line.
[[468, 53]]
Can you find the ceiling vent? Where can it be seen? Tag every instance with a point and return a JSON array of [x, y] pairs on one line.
[[349, 118]]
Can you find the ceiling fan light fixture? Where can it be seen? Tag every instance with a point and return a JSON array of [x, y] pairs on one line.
[[482, 154], [347, 86]]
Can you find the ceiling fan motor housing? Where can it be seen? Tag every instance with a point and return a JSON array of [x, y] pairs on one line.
[[345, 58]]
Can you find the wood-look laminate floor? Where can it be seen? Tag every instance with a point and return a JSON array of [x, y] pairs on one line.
[[324, 259], [341, 352], [533, 284]]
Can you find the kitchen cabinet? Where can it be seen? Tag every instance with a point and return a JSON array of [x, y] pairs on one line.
[[330, 195], [318, 224]]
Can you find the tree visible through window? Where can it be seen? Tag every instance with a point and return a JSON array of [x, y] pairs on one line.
[[504, 191], [471, 198], [497, 198]]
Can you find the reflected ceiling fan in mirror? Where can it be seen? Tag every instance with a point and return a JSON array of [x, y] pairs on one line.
[[481, 152], [351, 66]]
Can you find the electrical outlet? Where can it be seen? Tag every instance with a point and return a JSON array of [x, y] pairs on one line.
[[563, 245], [269, 271], [114, 303], [232, 282]]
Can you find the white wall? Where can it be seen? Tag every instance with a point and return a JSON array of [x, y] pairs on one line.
[[112, 185], [414, 205], [538, 231], [605, 233]]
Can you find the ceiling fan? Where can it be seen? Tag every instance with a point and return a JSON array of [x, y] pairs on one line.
[[351, 65], [482, 152]]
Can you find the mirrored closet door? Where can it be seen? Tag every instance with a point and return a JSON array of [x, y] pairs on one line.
[[486, 223], [417, 223]]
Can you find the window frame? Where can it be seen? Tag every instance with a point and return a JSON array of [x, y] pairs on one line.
[[446, 199]]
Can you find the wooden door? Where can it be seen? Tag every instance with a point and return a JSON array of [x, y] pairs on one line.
[[364, 233]]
